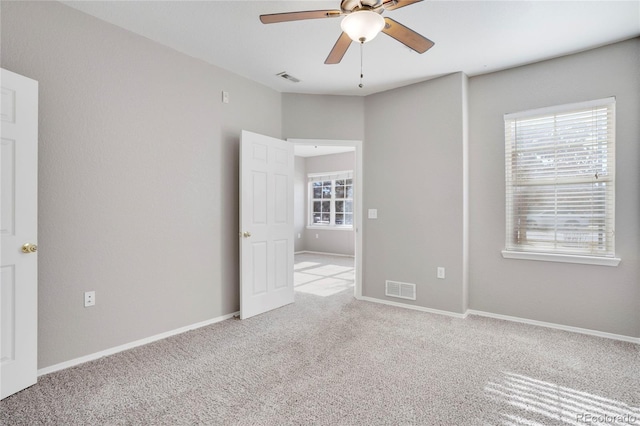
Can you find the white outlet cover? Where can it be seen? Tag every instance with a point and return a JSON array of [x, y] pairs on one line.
[[373, 213], [89, 298]]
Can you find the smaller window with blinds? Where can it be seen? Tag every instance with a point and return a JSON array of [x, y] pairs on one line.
[[560, 180], [331, 199]]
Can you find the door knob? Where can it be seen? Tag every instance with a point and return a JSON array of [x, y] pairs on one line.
[[246, 234], [29, 248]]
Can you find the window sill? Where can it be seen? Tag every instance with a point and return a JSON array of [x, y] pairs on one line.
[[331, 228], [565, 258]]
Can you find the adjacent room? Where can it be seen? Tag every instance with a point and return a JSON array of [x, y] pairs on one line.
[[455, 236], [325, 240]]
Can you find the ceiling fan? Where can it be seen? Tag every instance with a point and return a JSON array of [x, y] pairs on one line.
[[362, 22]]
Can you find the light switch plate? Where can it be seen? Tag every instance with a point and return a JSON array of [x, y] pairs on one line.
[[373, 214]]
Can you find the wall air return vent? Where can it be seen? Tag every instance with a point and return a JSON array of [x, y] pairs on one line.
[[401, 290]]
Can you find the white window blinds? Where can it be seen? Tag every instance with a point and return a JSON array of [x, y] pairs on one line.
[[318, 177], [560, 179]]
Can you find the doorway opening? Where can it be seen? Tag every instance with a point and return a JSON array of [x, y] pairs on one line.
[[328, 215]]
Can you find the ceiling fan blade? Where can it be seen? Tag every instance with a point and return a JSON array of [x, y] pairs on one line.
[[339, 49], [298, 16], [407, 36], [397, 4]]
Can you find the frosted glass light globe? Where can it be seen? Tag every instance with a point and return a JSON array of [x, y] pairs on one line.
[[362, 26]]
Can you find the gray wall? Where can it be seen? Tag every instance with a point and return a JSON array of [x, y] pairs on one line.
[[323, 117], [454, 130], [138, 182], [138, 189], [593, 297], [413, 176], [300, 203], [327, 240]]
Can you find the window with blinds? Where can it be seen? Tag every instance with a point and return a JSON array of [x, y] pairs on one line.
[[560, 179], [331, 199]]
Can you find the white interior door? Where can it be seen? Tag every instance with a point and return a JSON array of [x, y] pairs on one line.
[[19, 180], [266, 223]]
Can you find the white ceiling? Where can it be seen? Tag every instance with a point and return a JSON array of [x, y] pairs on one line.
[[474, 37]]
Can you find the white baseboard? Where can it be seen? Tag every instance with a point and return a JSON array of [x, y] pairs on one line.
[[586, 331], [413, 307], [131, 345], [324, 253], [556, 326]]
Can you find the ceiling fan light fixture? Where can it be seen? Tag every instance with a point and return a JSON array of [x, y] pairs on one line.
[[363, 25]]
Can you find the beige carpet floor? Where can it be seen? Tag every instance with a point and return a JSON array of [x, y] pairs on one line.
[[329, 359]]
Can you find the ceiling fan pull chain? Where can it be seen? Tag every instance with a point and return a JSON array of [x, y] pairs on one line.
[[361, 48]]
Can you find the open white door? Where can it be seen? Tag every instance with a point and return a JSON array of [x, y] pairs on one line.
[[266, 223], [19, 282]]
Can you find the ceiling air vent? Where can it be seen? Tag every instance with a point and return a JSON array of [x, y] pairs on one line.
[[289, 77], [401, 290]]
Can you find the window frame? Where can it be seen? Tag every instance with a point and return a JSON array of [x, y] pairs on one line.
[[330, 177], [514, 247]]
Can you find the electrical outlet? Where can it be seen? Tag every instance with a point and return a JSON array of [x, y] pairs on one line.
[[89, 298], [440, 272], [317, 236], [225, 97], [299, 235]]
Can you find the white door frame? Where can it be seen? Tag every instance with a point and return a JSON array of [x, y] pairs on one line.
[[358, 208]]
